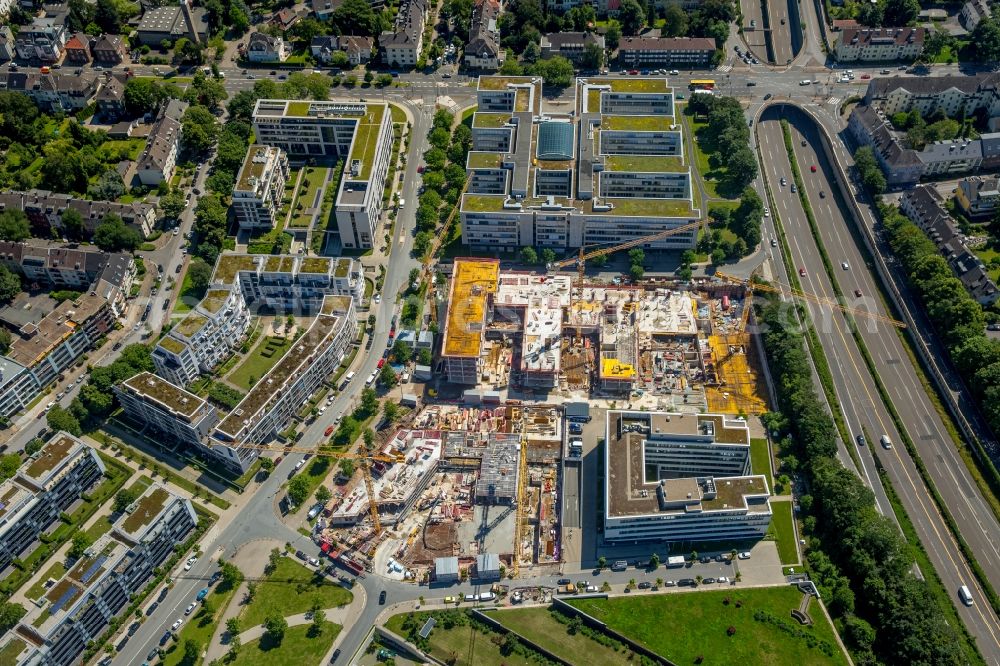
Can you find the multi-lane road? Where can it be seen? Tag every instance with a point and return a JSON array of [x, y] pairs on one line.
[[859, 399]]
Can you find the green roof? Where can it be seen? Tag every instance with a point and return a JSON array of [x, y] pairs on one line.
[[342, 269], [366, 139], [252, 168], [146, 509], [483, 202], [729, 492], [501, 82], [521, 100], [645, 163], [488, 119], [214, 300], [637, 123], [49, 457], [172, 344], [231, 264], [315, 265], [163, 391], [483, 160], [298, 109], [190, 324], [645, 208], [637, 85], [279, 264]]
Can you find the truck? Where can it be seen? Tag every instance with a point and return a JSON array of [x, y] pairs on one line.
[[569, 588], [675, 561]]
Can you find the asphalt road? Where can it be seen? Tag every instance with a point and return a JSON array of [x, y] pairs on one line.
[[855, 387]]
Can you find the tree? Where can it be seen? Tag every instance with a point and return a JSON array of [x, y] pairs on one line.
[[654, 561], [369, 400], [369, 438], [747, 217], [272, 560], [60, 419], [868, 169], [742, 167], [901, 12], [206, 91], [613, 35], [424, 357], [298, 490], [72, 224], [81, 542], [318, 621], [593, 56], [548, 255], [275, 626], [233, 626], [172, 204], [387, 376], [676, 24], [109, 187], [14, 225], [632, 17], [323, 495], [231, 575], [10, 285], [602, 562], [10, 615], [191, 652], [986, 40], [510, 644], [199, 129], [557, 71], [356, 17], [124, 499], [34, 446], [636, 271], [402, 351], [200, 274], [111, 235]]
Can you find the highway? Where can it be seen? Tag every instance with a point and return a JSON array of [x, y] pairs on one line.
[[859, 399]]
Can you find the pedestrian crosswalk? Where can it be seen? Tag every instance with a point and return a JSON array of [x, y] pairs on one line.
[[833, 101], [725, 68]]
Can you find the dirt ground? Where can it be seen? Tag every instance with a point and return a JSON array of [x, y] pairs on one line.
[[438, 542]]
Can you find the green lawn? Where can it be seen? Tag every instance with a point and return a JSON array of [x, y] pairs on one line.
[[685, 625], [987, 255], [118, 150], [314, 474], [188, 296], [398, 115], [784, 532], [297, 647], [263, 357], [11, 650], [307, 194], [760, 460], [200, 628], [100, 527], [539, 625], [292, 589], [448, 642], [56, 571]]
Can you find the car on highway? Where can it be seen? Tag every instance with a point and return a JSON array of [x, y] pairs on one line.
[[822, 194], [328, 431], [378, 298], [812, 168], [802, 272], [420, 169], [767, 96], [886, 442], [783, 181], [299, 464], [767, 212], [857, 292], [794, 189], [774, 242], [381, 598], [745, 555], [846, 266], [860, 439], [866, 76]]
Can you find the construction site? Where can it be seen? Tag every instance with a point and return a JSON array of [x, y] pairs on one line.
[[539, 336], [460, 482]]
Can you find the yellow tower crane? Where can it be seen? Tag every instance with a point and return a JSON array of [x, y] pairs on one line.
[[519, 517]]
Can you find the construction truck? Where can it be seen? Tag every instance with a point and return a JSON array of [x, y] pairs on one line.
[[567, 589]]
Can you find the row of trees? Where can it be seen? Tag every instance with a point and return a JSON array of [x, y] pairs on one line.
[[726, 139], [443, 177], [869, 170], [860, 560]]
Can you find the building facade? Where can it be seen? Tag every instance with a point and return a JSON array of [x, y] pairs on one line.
[[879, 44], [402, 45], [159, 158], [262, 47], [45, 210], [979, 197], [292, 284], [260, 187], [569, 45], [483, 51], [666, 51], [153, 402]]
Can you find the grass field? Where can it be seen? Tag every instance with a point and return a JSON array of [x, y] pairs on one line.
[[539, 625], [452, 645], [398, 115], [297, 647], [784, 532], [11, 650], [56, 571], [760, 460], [314, 474], [100, 527], [188, 296], [291, 589], [696, 625], [200, 628], [307, 195], [257, 364]]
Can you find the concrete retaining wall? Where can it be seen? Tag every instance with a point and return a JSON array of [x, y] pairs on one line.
[[594, 623]]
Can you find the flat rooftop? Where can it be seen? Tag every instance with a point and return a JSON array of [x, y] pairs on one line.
[[667, 312], [229, 265], [173, 398], [645, 163], [315, 265], [145, 511], [191, 324], [254, 167], [503, 82], [171, 344], [334, 305], [214, 300], [11, 496], [637, 123], [473, 280], [484, 160], [272, 384], [279, 264], [366, 140], [490, 119], [58, 450]]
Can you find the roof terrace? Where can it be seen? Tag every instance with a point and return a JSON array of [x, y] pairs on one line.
[[214, 300], [52, 455], [636, 123], [172, 345], [253, 167], [229, 265], [191, 324], [172, 397], [315, 265]]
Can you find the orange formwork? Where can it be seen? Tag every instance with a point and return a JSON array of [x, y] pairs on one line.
[[740, 389]]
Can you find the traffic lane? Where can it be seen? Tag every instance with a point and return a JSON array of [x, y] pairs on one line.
[[931, 439], [929, 524]]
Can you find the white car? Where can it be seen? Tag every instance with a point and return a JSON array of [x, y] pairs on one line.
[[722, 580], [299, 464], [378, 298], [187, 611], [313, 561], [190, 563], [846, 266], [745, 555], [767, 212], [176, 624]]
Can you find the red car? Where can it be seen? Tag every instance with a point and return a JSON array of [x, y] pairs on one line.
[[328, 431], [866, 76], [633, 72], [813, 168], [802, 272], [420, 169], [381, 362], [277, 461]]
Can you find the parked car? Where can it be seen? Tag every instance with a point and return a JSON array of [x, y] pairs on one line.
[[745, 555], [645, 585], [563, 581], [328, 431], [176, 625], [381, 598], [709, 580], [152, 608], [190, 608]]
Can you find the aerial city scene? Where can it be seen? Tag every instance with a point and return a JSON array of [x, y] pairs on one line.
[[499, 332]]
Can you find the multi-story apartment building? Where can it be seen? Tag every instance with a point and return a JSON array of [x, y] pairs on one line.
[[358, 49], [666, 51], [53, 92], [290, 283], [483, 50], [45, 486], [262, 47], [79, 607], [680, 477], [260, 187], [43, 39], [953, 95], [359, 133], [45, 209], [979, 197], [569, 45], [152, 401], [973, 12], [272, 401], [159, 157], [879, 44], [402, 45], [40, 352], [204, 338], [472, 283], [611, 172]]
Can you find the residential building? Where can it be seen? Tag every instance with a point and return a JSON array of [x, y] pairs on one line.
[[952, 95], [667, 479], [43, 39], [53, 92], [974, 11], [46, 484], [111, 99], [979, 197], [7, 42], [159, 158], [204, 338], [666, 51], [259, 188], [402, 45], [472, 281], [323, 9], [110, 49], [570, 45], [285, 18], [357, 49], [77, 48], [172, 22], [85, 601], [289, 283], [358, 132], [611, 172], [44, 210], [153, 402], [262, 47], [483, 51], [879, 44], [499, 470], [925, 207], [278, 395]]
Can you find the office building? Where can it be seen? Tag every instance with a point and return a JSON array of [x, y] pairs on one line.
[[611, 172], [680, 478], [153, 402], [260, 187], [359, 133], [666, 51], [271, 402]]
